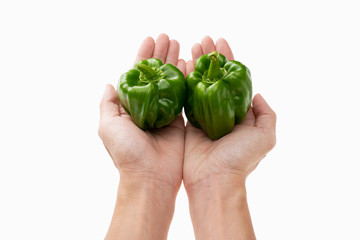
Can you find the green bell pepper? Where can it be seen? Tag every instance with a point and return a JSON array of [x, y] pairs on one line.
[[219, 94], [152, 93]]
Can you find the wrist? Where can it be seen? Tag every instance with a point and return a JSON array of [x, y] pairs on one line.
[[217, 186], [149, 191], [149, 184], [219, 210], [142, 211], [147, 202], [217, 192]]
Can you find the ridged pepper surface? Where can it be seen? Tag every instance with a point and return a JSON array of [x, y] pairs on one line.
[[219, 94], [152, 93]]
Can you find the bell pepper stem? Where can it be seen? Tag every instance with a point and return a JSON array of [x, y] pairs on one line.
[[147, 71], [214, 71]]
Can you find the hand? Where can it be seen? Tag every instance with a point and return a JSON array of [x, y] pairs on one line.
[[214, 172], [234, 156], [150, 163], [154, 156]]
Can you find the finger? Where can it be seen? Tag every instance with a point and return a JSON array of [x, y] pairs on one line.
[[196, 51], [223, 47], [109, 105], [161, 47], [264, 115], [146, 49], [173, 52], [189, 67], [207, 45], [181, 65], [249, 118]]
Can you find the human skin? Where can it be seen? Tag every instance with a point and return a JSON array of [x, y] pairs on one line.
[[149, 162], [152, 164], [215, 172]]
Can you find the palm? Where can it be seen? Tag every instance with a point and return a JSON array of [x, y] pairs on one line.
[[150, 151], [238, 152], [157, 152]]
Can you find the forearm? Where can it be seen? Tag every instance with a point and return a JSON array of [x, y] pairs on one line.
[[142, 212], [220, 212]]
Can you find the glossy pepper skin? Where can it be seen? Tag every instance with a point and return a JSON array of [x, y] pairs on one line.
[[152, 93], [219, 94]]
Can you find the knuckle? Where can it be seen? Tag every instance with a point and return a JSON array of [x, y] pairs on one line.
[[101, 130], [275, 116], [265, 131], [272, 143], [270, 138]]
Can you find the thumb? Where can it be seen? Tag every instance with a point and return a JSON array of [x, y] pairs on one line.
[[264, 115], [109, 105]]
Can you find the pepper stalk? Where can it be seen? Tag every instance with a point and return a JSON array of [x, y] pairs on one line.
[[147, 71], [214, 72]]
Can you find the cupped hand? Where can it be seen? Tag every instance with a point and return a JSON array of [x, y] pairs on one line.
[[234, 156], [154, 156]]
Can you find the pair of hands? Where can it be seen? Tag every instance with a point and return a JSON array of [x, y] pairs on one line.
[[163, 158], [175, 153]]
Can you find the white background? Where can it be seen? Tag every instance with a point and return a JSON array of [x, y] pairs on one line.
[[57, 180]]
